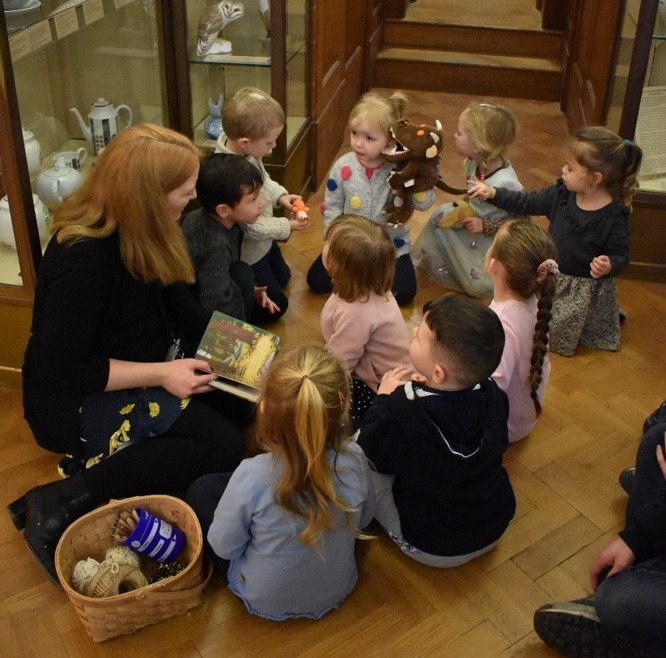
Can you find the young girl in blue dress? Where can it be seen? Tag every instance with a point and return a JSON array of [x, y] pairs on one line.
[[588, 209], [287, 520], [454, 257]]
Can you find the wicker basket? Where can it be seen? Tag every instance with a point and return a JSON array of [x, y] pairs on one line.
[[90, 536]]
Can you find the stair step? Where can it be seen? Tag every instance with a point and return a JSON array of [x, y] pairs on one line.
[[537, 78], [470, 38], [430, 56]]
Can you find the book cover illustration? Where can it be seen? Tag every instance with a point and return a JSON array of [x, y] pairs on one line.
[[238, 351]]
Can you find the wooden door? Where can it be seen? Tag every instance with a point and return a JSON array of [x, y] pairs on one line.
[[591, 38], [338, 74]]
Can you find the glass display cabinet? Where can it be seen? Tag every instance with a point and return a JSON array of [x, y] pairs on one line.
[[75, 72], [637, 112], [82, 70], [72, 74], [260, 43]]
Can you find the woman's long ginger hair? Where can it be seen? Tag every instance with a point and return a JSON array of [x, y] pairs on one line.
[[126, 192], [303, 412]]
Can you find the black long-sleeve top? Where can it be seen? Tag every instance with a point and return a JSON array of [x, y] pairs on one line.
[[89, 309], [445, 449], [580, 235]]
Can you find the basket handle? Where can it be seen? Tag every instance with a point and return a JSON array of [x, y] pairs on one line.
[[175, 595]]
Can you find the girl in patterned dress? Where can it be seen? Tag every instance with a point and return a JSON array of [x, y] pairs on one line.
[[454, 257], [588, 209]]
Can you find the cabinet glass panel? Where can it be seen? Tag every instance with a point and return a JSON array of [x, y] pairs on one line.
[[650, 132], [84, 70], [229, 46], [651, 124], [10, 271], [297, 62], [626, 47]]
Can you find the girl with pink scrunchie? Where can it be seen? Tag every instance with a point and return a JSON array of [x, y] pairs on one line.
[[521, 263]]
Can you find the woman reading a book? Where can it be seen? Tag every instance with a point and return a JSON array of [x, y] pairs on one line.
[[100, 381]]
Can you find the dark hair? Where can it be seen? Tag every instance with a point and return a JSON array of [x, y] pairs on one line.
[[618, 160], [226, 178], [468, 335]]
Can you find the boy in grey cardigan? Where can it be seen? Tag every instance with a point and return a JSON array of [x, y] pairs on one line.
[[252, 122]]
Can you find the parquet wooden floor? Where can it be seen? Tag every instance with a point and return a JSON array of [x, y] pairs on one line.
[[564, 476]]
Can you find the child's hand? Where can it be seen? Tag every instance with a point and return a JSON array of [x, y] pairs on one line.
[[473, 224], [298, 224], [661, 459], [600, 266], [392, 379], [261, 297], [287, 200], [480, 189]]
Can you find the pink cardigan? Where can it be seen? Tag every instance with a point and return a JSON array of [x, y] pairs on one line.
[[369, 337]]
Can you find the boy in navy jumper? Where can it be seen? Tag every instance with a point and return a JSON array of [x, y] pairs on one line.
[[437, 440]]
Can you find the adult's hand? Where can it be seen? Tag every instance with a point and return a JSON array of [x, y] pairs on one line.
[[616, 557], [186, 377]]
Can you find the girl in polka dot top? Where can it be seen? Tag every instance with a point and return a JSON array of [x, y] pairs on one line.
[[358, 184]]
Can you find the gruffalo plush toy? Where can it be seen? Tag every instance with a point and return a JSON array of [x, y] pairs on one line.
[[416, 155]]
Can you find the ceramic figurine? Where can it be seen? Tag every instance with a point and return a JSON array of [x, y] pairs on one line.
[[213, 123], [211, 23], [265, 14], [33, 152]]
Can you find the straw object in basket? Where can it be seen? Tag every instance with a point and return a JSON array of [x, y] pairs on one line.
[[90, 536]]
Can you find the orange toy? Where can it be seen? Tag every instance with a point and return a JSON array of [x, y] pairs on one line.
[[299, 209]]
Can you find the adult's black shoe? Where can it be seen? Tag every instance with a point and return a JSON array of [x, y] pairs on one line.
[[49, 509]]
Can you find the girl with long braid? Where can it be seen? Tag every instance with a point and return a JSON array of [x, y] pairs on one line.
[[521, 263]]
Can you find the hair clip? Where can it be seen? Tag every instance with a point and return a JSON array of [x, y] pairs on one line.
[[341, 397], [492, 107], [627, 143], [549, 266]]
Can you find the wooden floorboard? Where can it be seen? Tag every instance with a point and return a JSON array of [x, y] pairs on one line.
[[564, 476]]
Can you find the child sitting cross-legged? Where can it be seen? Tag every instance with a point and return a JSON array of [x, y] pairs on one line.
[[229, 189], [437, 440], [283, 526], [252, 122], [361, 321]]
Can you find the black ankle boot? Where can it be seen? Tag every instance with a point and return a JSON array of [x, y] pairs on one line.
[[49, 509]]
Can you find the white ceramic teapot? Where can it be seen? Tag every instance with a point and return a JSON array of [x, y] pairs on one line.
[[55, 185], [33, 152], [6, 230], [103, 120]]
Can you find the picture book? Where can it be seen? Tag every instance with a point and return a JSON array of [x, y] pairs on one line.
[[238, 353]]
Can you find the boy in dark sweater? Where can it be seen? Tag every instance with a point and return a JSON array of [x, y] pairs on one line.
[[437, 440], [229, 189]]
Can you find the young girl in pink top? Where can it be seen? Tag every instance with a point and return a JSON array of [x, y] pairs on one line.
[[521, 264], [361, 321]]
